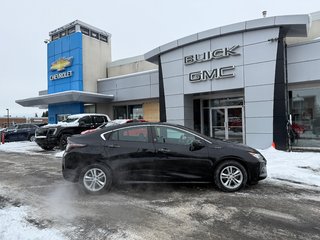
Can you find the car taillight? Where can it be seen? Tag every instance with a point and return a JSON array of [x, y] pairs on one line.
[[72, 145]]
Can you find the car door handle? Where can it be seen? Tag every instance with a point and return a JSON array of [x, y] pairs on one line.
[[113, 146], [163, 150]]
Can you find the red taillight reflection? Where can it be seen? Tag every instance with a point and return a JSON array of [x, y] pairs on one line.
[[72, 145], [88, 131]]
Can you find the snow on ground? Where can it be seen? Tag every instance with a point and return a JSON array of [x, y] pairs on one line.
[[15, 224], [301, 169], [30, 148]]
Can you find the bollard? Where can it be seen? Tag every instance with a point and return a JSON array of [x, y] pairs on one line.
[[2, 137]]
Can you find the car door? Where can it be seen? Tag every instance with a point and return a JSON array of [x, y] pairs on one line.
[[99, 120], [22, 132], [175, 160], [131, 153], [16, 134]]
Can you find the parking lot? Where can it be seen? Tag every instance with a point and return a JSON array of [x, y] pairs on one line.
[[264, 211]]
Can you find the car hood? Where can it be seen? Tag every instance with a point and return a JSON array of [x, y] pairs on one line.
[[228, 144]]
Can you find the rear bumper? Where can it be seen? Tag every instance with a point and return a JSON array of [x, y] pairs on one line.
[[70, 175]]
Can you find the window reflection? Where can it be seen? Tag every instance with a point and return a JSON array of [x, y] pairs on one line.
[[305, 113]]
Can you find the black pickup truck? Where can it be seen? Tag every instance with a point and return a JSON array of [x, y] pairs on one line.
[[55, 135]]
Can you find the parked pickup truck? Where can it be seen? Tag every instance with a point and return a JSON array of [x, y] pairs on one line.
[[55, 135]]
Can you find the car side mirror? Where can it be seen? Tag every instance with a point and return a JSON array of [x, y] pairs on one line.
[[196, 145]]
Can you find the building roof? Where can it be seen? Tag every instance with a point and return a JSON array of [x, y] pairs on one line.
[[65, 97], [295, 26], [78, 22]]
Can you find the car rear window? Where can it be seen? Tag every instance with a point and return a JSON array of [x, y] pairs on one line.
[[135, 134]]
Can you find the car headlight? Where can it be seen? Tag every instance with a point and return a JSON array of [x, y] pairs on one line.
[[258, 156]]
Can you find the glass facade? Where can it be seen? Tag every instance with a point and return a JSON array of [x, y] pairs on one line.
[[304, 107], [128, 112], [223, 118]]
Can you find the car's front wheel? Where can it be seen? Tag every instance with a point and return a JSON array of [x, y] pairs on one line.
[[95, 179], [64, 141], [230, 176], [31, 138], [47, 148]]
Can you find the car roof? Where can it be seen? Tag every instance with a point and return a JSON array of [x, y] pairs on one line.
[[122, 126], [119, 126], [86, 114], [21, 124], [113, 127]]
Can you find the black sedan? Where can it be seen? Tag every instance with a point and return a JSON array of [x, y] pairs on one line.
[[158, 152], [20, 132]]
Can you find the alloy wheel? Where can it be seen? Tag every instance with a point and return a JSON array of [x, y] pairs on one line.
[[94, 179], [231, 177]]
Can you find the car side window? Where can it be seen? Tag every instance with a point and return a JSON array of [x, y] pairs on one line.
[[99, 119], [134, 134], [173, 136], [86, 120]]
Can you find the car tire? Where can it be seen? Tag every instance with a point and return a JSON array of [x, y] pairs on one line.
[[47, 148], [230, 176], [31, 138], [95, 179], [63, 141]]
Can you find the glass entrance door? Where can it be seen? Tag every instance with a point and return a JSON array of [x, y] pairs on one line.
[[235, 125], [227, 123], [218, 123]]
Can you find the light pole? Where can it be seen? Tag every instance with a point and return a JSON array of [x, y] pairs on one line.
[[8, 116]]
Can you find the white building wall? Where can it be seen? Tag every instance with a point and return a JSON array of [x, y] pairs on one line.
[[96, 56], [137, 86], [304, 62]]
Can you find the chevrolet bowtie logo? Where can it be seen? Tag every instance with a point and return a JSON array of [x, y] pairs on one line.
[[61, 64]]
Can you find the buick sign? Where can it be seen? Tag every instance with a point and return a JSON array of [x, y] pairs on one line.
[[217, 73]]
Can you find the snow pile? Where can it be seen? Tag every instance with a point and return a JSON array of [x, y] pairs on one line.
[[15, 225], [296, 167]]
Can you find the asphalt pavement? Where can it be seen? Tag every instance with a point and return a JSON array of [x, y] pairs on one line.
[[156, 211]]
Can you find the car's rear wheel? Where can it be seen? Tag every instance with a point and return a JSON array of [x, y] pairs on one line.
[[95, 179], [230, 176]]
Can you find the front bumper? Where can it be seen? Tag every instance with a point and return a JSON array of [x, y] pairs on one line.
[[46, 141], [263, 171]]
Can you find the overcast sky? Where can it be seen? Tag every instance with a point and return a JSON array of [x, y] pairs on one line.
[[137, 26]]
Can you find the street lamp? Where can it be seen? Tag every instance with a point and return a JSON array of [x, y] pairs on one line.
[[8, 116]]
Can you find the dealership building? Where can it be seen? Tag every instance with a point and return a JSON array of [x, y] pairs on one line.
[[243, 82]]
